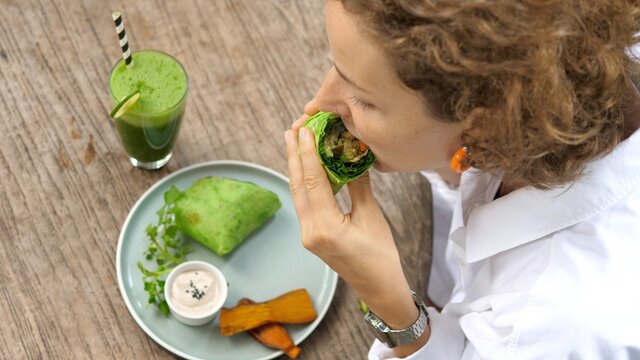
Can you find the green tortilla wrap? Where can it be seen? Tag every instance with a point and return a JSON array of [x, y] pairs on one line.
[[344, 157], [220, 213]]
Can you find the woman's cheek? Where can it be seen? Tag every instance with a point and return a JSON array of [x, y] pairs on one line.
[[358, 126]]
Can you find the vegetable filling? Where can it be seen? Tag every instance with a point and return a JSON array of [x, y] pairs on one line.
[[339, 143]]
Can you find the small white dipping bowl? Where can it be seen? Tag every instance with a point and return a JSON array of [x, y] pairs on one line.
[[222, 292]]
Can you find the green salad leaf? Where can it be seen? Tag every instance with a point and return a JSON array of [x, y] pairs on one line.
[[167, 249]]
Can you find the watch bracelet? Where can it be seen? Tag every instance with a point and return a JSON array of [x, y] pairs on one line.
[[393, 338]]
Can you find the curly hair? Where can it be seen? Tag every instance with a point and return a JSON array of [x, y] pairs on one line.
[[550, 76]]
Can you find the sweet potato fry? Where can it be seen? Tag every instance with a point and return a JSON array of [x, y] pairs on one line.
[[273, 335], [294, 307]]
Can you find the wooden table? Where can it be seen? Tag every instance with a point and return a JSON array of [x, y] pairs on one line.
[[66, 185]]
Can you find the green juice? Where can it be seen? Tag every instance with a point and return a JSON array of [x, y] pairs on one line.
[[149, 128]]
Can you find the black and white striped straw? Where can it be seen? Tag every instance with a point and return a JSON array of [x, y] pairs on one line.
[[122, 35]]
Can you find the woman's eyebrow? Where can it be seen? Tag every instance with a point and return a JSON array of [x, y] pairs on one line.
[[349, 80]]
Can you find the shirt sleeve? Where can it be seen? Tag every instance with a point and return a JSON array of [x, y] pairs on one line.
[[446, 341]]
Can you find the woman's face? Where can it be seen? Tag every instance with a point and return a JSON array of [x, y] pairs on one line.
[[376, 106]]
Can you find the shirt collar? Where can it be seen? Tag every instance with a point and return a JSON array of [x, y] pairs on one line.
[[528, 214]]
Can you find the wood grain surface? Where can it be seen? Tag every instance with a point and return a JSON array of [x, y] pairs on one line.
[[66, 185]]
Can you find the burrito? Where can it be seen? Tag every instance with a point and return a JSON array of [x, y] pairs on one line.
[[220, 213], [344, 157]]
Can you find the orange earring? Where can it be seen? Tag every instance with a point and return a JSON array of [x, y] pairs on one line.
[[457, 161]]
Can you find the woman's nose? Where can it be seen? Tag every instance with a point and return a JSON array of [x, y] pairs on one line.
[[332, 94]]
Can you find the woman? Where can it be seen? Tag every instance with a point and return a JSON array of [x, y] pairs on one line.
[[535, 245]]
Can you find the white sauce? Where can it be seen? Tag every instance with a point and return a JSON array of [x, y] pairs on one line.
[[194, 292]]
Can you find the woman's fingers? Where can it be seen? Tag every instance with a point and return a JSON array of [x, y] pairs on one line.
[[299, 123], [296, 175], [315, 179], [311, 107], [313, 198]]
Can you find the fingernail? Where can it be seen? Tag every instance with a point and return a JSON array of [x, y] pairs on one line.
[[302, 133], [287, 136]]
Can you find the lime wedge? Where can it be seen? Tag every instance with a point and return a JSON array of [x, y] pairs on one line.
[[123, 105]]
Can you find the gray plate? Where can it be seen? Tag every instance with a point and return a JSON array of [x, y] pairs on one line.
[[269, 263]]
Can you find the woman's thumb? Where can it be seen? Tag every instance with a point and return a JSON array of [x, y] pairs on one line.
[[360, 193]]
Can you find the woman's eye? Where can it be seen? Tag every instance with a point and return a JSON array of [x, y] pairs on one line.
[[362, 104]]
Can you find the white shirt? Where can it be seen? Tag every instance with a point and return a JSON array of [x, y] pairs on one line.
[[537, 274]]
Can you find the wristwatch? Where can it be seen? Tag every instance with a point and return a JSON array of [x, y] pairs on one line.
[[393, 338]]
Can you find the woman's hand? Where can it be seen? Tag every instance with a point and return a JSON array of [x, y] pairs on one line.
[[359, 246]]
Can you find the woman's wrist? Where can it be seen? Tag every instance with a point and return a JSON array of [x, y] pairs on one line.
[[396, 309]]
